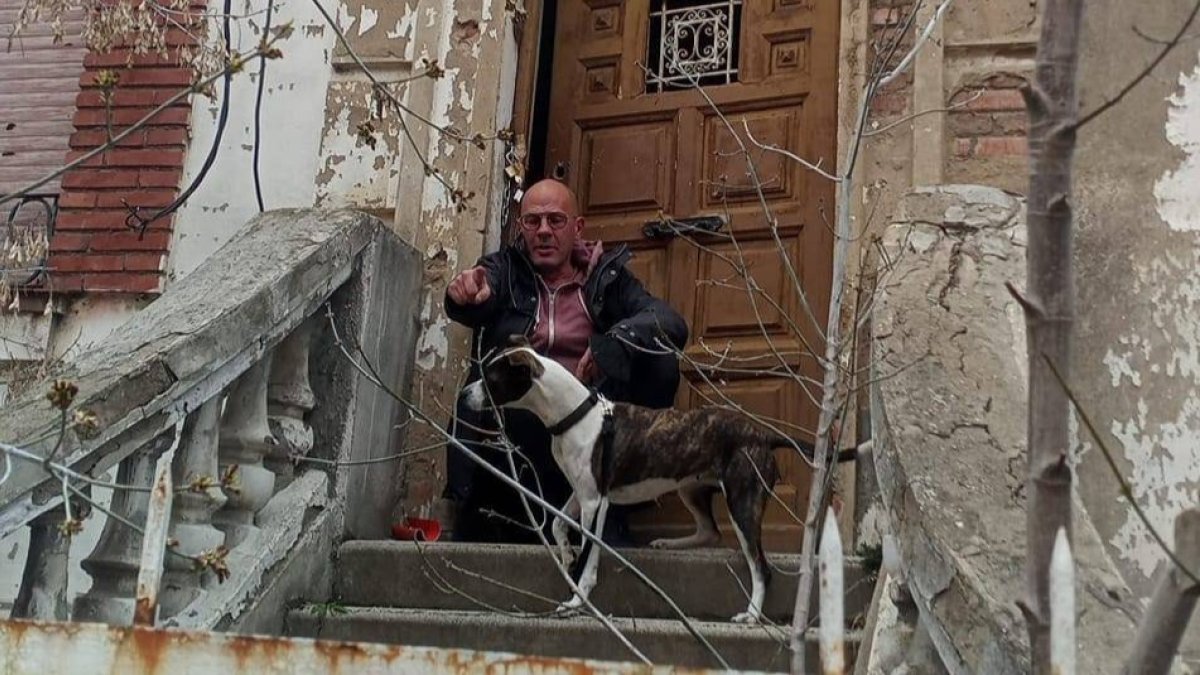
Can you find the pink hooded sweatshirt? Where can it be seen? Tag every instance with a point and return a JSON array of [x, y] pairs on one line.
[[564, 325]]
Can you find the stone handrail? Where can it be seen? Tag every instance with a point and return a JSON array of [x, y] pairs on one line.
[[215, 374], [948, 400]]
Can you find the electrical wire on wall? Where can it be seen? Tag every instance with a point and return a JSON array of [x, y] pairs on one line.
[[135, 220], [262, 77]]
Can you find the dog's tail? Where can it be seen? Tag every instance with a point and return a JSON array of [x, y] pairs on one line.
[[807, 449]]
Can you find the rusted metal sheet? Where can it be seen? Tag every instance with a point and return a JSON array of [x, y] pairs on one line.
[[59, 648]]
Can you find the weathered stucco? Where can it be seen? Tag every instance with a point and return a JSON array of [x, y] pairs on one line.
[[947, 413], [1137, 359], [362, 142], [292, 118], [474, 42]]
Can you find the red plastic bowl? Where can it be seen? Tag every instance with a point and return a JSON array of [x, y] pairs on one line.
[[417, 529]]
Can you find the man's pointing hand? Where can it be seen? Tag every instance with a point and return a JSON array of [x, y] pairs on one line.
[[470, 287]]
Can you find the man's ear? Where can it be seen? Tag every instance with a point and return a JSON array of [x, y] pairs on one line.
[[518, 340], [524, 357]]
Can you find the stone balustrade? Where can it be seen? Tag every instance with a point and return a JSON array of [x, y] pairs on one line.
[[217, 371]]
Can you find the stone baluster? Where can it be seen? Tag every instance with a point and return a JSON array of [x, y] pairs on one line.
[[289, 399], [43, 592], [113, 564], [245, 440], [197, 480]]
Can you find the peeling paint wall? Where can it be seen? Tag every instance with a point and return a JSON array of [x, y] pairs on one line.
[[292, 118], [1137, 362], [474, 42], [362, 169]]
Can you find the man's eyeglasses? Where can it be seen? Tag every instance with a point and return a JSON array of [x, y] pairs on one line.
[[532, 221]]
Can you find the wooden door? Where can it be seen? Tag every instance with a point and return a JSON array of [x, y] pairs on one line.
[[630, 132]]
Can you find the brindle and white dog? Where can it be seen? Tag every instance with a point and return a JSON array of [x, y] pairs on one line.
[[650, 453]]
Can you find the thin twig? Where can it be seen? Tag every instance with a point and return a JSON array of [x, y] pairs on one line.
[[1170, 45], [551, 509], [1126, 489], [146, 119]]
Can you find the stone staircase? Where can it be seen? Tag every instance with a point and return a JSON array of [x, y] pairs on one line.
[[497, 598]]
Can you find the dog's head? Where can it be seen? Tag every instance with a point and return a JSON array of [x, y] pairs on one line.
[[507, 377]]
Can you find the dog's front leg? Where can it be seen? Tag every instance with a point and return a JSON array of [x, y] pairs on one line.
[[594, 513], [565, 553]]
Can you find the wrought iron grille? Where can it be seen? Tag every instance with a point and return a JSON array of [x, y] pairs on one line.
[[693, 42], [25, 240]]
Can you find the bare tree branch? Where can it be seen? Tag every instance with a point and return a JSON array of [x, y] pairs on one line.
[[1140, 77]]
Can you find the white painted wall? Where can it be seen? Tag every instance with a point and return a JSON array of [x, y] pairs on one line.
[[293, 117], [1160, 434]]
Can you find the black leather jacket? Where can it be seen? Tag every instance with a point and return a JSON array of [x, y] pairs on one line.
[[617, 301], [619, 306]]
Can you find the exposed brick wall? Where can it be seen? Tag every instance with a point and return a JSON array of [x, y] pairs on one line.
[[888, 17], [94, 248], [989, 119], [987, 131]]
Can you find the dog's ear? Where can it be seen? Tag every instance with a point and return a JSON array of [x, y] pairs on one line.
[[518, 340], [526, 358]]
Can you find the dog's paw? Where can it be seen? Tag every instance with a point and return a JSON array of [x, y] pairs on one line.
[[663, 544], [748, 618], [569, 608], [566, 556]]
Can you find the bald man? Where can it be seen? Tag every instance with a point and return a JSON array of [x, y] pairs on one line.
[[577, 304]]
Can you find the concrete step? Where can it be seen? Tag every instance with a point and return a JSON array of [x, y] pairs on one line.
[[759, 648], [518, 578]]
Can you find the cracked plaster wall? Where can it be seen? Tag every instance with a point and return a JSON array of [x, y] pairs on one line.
[[1137, 361], [475, 43], [292, 119]]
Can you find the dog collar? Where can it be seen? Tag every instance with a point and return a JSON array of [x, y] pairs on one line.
[[565, 424]]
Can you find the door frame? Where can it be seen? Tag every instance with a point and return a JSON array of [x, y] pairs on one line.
[[853, 42], [852, 49]]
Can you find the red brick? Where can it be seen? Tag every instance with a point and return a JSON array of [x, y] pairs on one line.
[[75, 155], [169, 136], [91, 219], [123, 58], [160, 178], [65, 283], [66, 241], [129, 241], [991, 100], [86, 262], [997, 146], [177, 78], [121, 98], [126, 282], [178, 38], [94, 138], [169, 159], [1005, 81], [140, 197], [120, 178], [143, 262], [889, 104], [120, 118], [76, 200], [964, 147]]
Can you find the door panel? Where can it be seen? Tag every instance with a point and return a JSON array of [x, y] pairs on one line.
[[637, 153]]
